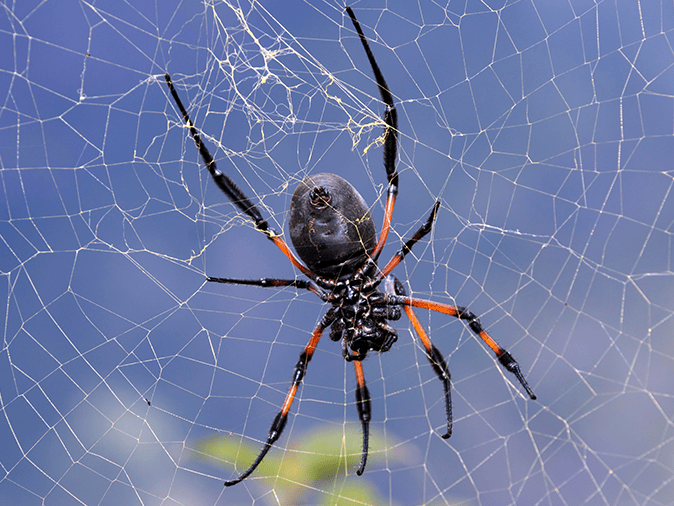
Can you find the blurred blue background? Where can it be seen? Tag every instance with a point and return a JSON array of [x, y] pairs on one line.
[[545, 128]]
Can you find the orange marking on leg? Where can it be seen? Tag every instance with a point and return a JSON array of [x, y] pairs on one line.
[[289, 400], [289, 254], [417, 326], [434, 306], [452, 311], [313, 342], [309, 351], [388, 214], [491, 343], [360, 378], [391, 265]]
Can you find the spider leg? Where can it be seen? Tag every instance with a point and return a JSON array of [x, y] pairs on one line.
[[407, 247], [301, 284], [281, 418], [439, 367], [390, 137], [229, 188], [364, 412], [463, 313], [434, 356]]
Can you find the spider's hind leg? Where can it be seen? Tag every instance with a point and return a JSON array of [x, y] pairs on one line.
[[395, 287], [364, 407], [462, 313], [503, 356], [281, 417]]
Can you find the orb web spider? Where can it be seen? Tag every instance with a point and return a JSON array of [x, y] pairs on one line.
[[333, 233]]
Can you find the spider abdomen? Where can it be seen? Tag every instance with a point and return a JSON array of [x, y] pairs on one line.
[[330, 225]]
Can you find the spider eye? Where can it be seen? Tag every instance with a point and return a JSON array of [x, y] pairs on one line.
[[330, 225]]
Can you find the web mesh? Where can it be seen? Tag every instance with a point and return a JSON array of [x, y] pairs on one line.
[[546, 129]]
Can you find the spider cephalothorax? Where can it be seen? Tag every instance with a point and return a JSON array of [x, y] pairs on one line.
[[333, 233], [362, 320]]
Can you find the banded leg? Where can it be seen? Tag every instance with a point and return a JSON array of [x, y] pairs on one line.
[[392, 285], [364, 407], [229, 188], [463, 313], [281, 418], [407, 247], [390, 137]]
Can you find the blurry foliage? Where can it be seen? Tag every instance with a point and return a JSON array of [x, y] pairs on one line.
[[321, 465]]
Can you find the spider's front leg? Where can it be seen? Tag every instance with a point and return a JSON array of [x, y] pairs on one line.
[[390, 136], [281, 418], [229, 188]]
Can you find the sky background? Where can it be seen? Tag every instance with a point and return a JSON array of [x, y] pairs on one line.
[[545, 129]]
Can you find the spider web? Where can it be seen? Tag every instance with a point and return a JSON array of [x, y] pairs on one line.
[[546, 129]]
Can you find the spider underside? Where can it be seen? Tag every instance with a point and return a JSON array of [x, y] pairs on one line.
[[333, 233]]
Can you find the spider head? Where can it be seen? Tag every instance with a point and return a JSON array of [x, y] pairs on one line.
[[330, 225]]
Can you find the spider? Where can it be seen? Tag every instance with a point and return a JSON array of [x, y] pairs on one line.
[[332, 231]]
